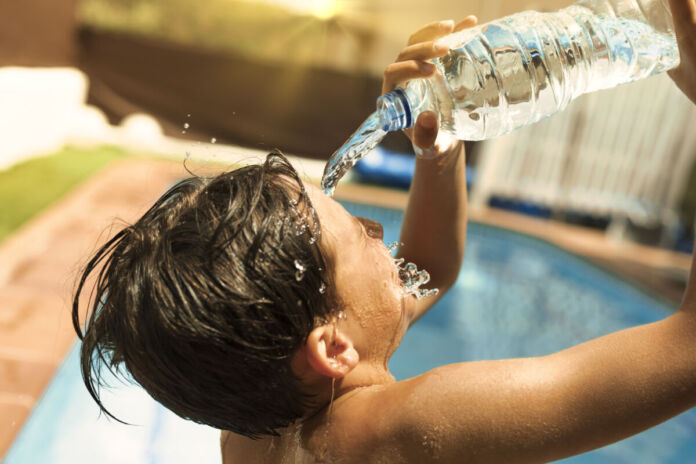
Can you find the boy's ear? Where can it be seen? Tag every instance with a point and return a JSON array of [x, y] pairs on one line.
[[329, 352]]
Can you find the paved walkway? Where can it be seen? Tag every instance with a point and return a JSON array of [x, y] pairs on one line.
[[39, 266]]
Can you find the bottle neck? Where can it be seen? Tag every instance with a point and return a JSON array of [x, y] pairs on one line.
[[395, 111]]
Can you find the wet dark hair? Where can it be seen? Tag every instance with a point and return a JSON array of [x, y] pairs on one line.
[[205, 299]]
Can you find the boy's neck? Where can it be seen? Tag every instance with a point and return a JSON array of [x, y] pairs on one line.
[[365, 375]]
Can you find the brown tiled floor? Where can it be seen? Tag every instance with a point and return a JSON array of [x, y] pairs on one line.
[[39, 265]]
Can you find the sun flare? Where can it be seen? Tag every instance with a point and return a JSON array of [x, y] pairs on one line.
[[322, 9]]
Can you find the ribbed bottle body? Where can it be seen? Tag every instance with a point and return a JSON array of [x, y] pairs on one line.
[[523, 68]]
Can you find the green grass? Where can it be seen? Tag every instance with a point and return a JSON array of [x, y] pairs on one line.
[[29, 187]]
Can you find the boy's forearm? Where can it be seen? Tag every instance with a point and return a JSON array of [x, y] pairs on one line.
[[434, 226]]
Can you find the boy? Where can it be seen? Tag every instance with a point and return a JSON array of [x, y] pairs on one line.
[[255, 304]]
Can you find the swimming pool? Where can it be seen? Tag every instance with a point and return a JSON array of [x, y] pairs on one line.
[[516, 296]]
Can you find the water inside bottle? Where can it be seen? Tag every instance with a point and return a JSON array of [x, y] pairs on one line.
[[526, 67]]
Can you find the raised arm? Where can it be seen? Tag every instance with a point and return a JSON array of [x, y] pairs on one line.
[[434, 227]]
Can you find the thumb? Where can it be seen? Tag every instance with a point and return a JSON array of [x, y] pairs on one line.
[[425, 130]]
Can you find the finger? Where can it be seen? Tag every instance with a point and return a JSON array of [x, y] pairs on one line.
[[397, 73], [432, 31], [423, 51], [683, 9], [425, 130], [469, 21]]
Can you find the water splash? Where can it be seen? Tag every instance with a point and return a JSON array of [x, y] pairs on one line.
[[368, 135], [412, 279], [393, 246]]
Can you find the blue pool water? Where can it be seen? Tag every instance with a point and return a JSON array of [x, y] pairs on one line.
[[516, 296]]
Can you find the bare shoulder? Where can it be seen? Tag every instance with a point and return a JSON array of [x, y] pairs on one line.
[[409, 421], [454, 413], [464, 412]]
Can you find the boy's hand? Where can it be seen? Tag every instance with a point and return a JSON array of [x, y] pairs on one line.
[[684, 14], [413, 63]]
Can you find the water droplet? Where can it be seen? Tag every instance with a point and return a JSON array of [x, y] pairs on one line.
[[213, 140], [183, 131], [299, 274], [186, 125], [426, 293], [322, 288], [301, 228], [393, 246], [188, 154], [188, 115]]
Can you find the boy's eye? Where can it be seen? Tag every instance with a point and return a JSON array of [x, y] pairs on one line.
[[373, 228]]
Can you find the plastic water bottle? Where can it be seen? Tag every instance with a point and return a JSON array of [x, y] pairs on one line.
[[521, 69]]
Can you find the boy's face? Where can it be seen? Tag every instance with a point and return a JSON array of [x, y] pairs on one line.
[[366, 279]]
